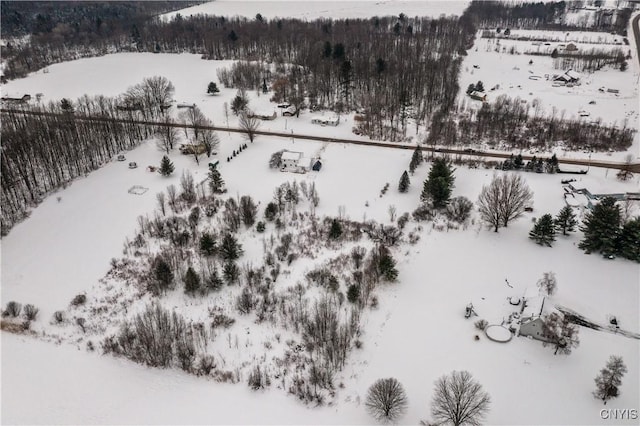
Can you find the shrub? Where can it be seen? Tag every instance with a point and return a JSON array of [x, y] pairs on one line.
[[58, 317], [78, 300], [255, 378], [423, 212], [206, 364], [12, 310], [459, 209], [30, 312], [221, 320], [260, 227], [481, 324]]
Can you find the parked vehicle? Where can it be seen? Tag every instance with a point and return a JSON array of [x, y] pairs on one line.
[[133, 165], [121, 157]]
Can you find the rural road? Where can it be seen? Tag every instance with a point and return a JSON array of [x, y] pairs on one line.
[[635, 24], [633, 167]]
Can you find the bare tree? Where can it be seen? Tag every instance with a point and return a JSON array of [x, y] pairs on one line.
[[161, 203], [548, 283], [158, 92], [249, 125], [459, 399], [559, 332], [210, 140], [167, 134], [386, 400], [504, 200]]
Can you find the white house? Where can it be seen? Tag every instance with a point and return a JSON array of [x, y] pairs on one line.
[[293, 161], [533, 307], [331, 120]]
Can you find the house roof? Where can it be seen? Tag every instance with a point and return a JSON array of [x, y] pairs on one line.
[[291, 155], [533, 306], [572, 74]]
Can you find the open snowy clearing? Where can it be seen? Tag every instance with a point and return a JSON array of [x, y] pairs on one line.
[[315, 9]]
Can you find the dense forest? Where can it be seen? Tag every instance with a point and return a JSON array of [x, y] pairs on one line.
[[543, 16]]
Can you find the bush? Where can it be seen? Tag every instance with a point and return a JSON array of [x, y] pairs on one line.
[[481, 324], [12, 310], [80, 299], [206, 364], [260, 227], [30, 312], [459, 209], [58, 317], [245, 302], [221, 320], [255, 378], [423, 212]]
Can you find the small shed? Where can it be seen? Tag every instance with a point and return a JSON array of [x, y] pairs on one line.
[[317, 165], [478, 96], [263, 115], [331, 120], [571, 48]]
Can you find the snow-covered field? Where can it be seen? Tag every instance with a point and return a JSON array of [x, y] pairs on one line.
[[417, 333], [314, 9]]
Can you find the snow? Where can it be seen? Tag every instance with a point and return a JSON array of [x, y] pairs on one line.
[[314, 9], [417, 334]]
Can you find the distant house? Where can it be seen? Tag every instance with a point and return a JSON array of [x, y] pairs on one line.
[[189, 148], [331, 120], [16, 101], [263, 115], [478, 96], [568, 77]]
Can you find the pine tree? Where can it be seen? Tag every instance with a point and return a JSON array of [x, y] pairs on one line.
[[629, 240], [416, 160], [191, 281], [216, 184], [166, 166], [207, 244], [566, 220], [609, 379], [212, 88], [214, 282], [387, 265], [543, 231], [162, 274], [271, 211], [336, 230], [439, 184], [230, 272], [403, 186], [353, 293], [230, 249], [601, 228]]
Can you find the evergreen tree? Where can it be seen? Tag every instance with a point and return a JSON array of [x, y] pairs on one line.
[[543, 231], [601, 228], [230, 249], [162, 274], [387, 265], [609, 379], [403, 186], [166, 166], [271, 211], [629, 240], [439, 183], [565, 220], [191, 281], [353, 293], [518, 162], [230, 272], [216, 183], [212, 88], [336, 230], [207, 244], [214, 282], [416, 160]]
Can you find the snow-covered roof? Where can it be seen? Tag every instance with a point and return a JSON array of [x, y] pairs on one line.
[[573, 74], [533, 307], [325, 118], [291, 155]]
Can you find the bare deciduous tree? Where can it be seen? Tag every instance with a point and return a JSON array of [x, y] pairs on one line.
[[559, 332], [548, 283], [167, 135], [249, 125], [504, 200], [386, 400], [459, 399]]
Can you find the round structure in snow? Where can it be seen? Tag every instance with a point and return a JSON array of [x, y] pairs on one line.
[[498, 333]]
